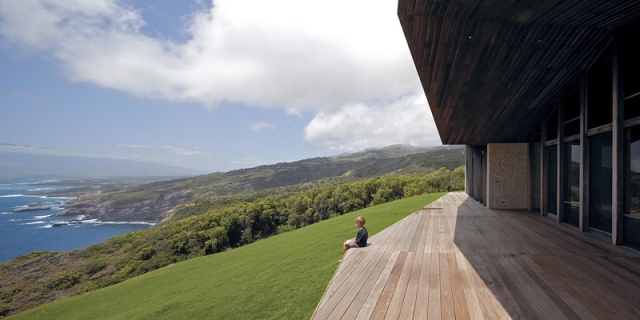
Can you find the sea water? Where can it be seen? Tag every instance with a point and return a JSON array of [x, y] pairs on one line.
[[27, 231]]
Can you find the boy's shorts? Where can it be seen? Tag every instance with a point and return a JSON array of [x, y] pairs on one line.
[[353, 245]]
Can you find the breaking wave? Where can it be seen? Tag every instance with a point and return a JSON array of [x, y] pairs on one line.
[[96, 221]]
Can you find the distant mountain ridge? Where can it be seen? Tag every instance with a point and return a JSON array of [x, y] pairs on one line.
[[26, 165], [394, 151], [149, 202], [360, 165]]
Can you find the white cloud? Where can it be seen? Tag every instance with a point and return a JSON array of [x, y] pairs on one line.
[[8, 147], [251, 161], [261, 125], [170, 155], [359, 126], [137, 146], [329, 58], [181, 151], [291, 54]]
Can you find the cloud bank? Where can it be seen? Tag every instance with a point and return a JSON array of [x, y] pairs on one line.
[[332, 59], [181, 151], [359, 126], [261, 125]]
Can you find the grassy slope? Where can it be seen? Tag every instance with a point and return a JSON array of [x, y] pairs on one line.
[[282, 277]]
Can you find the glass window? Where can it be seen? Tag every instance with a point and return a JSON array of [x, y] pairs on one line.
[[552, 158], [632, 187], [629, 62], [536, 165], [632, 172], [572, 128], [571, 183], [601, 175], [632, 232], [632, 108], [629, 70], [599, 91], [552, 126], [571, 103]]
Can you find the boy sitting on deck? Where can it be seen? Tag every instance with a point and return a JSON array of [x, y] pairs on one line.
[[361, 237]]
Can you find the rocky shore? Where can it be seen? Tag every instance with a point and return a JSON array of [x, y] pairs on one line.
[[32, 208], [103, 209]]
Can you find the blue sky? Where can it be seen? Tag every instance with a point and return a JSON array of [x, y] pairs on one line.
[[210, 86]]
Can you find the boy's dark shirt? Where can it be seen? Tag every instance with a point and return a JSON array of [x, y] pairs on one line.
[[361, 237]]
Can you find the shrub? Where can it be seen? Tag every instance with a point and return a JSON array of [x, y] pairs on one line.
[[62, 280], [32, 255], [7, 294], [4, 309], [285, 228], [94, 265], [146, 253]]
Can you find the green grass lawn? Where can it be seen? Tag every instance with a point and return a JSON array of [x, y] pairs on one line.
[[282, 277]]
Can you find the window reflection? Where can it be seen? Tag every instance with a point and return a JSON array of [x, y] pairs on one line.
[[552, 156], [536, 176], [571, 210], [631, 220], [633, 172], [600, 198]]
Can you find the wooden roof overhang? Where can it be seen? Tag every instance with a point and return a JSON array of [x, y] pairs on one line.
[[492, 69]]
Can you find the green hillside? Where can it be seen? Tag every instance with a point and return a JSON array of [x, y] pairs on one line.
[[282, 277], [136, 201]]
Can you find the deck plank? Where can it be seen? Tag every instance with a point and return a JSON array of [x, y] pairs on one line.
[[456, 259], [446, 293], [536, 298], [588, 301], [395, 306], [408, 305], [378, 287], [434, 277], [471, 296], [422, 297], [380, 310], [459, 300]]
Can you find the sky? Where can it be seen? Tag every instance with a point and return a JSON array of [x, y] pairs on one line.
[[212, 86]]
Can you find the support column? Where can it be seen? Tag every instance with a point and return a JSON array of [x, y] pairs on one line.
[[618, 152], [560, 175], [584, 157], [468, 182], [530, 171], [485, 191], [544, 177]]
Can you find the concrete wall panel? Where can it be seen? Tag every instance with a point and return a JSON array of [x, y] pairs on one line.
[[507, 175]]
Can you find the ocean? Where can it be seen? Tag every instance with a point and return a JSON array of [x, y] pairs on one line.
[[27, 231]]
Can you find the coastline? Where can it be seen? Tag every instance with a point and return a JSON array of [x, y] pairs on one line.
[[26, 230], [105, 209], [31, 208]]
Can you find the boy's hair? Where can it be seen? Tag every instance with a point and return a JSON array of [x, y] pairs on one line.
[[360, 220]]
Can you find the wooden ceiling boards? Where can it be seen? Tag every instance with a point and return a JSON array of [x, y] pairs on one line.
[[492, 70]]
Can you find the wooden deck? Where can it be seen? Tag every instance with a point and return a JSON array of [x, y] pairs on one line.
[[465, 261]]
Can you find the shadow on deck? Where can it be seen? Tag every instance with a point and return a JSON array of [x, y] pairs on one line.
[[465, 261]]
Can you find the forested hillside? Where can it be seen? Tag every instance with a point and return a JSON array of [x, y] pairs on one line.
[[155, 201]]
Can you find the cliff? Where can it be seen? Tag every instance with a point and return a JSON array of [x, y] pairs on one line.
[[32, 208], [107, 209]]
